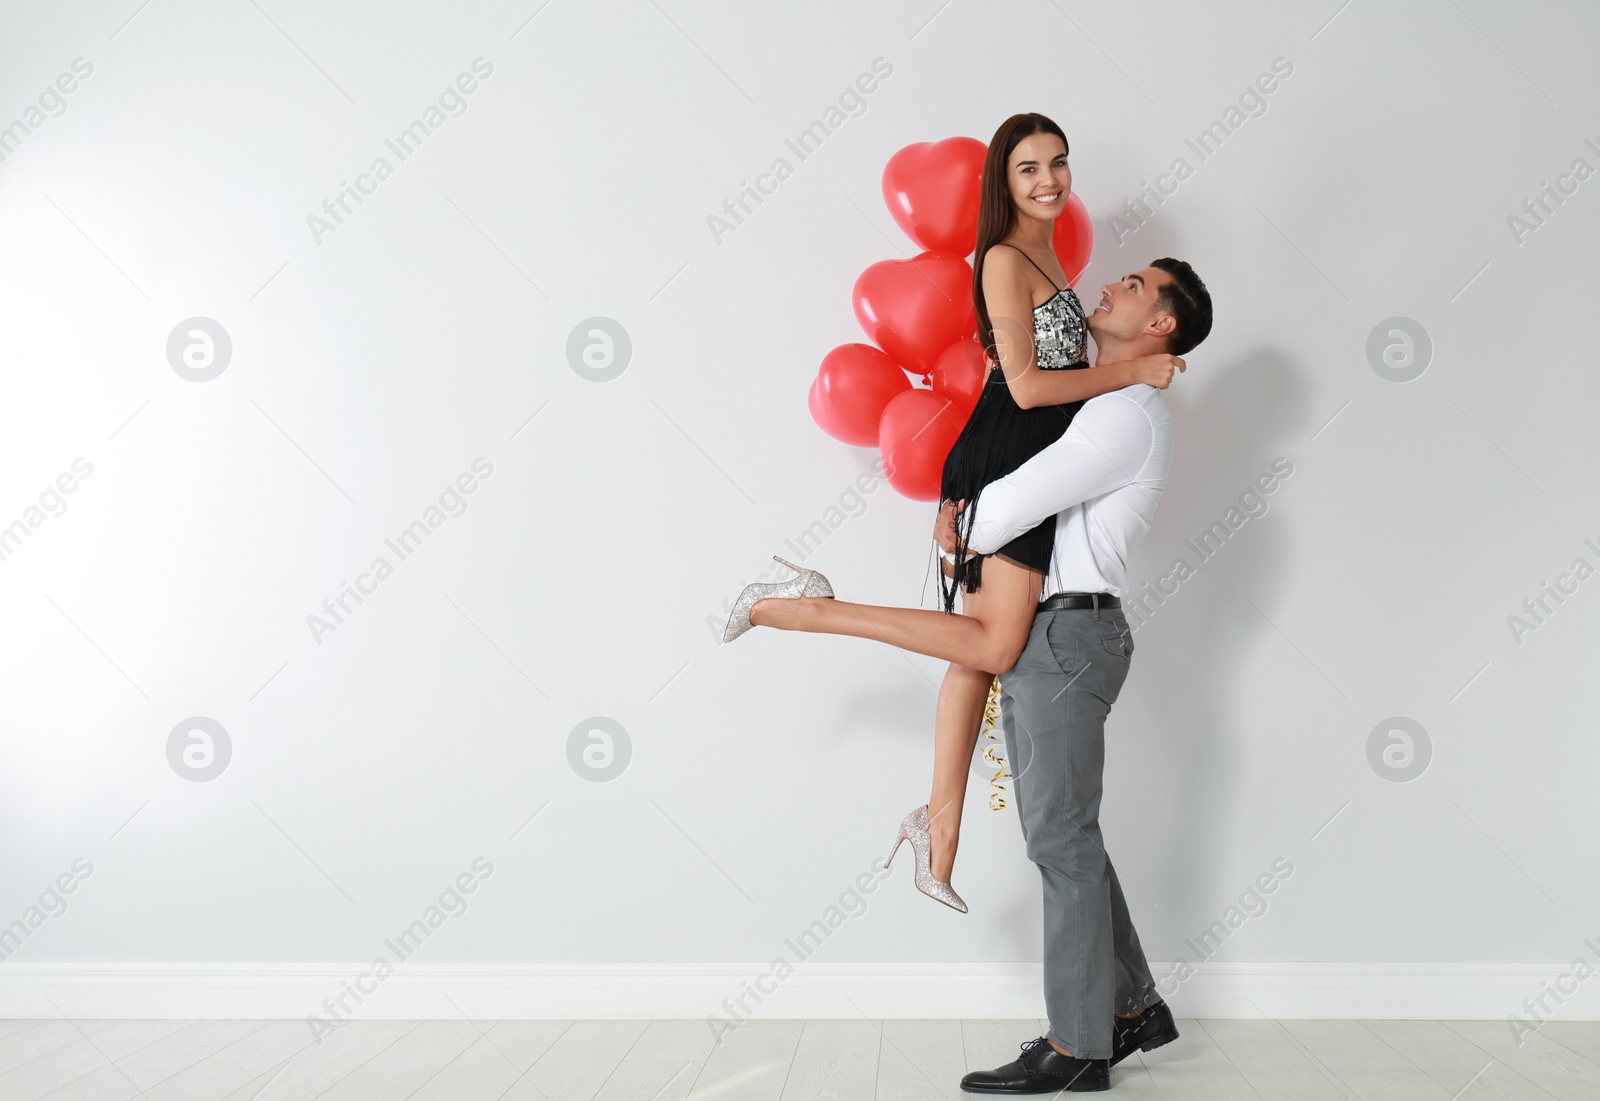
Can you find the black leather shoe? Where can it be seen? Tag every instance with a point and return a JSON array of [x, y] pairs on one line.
[[1148, 1030], [1041, 1069]]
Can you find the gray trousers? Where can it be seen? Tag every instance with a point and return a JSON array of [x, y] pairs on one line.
[[1053, 708]]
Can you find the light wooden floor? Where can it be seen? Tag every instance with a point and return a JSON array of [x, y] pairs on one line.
[[860, 1060]]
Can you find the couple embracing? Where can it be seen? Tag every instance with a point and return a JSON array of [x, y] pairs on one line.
[[1054, 478]]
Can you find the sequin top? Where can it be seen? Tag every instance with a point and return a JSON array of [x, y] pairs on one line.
[[1060, 331]]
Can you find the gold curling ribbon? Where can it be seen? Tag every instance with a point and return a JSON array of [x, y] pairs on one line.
[[991, 715]]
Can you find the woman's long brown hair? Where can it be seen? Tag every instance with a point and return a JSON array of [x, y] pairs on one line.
[[997, 214]]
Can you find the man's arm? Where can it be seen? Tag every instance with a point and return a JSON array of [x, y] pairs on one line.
[[1104, 448]]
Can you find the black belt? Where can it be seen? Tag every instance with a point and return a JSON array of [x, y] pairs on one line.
[[1079, 600]]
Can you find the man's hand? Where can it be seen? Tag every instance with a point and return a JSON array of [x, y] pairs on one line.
[[1157, 370], [944, 527]]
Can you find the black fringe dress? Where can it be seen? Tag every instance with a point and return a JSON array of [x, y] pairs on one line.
[[1000, 436]]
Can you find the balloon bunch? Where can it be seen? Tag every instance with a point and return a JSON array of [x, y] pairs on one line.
[[919, 315]]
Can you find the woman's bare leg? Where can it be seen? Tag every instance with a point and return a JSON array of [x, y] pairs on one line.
[[984, 640], [988, 636], [955, 733], [959, 717]]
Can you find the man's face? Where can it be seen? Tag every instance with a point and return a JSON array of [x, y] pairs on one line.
[[1128, 306]]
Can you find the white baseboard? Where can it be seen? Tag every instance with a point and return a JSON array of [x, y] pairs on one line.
[[813, 990]]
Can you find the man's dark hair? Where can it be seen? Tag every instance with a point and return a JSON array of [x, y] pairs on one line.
[[1189, 303]]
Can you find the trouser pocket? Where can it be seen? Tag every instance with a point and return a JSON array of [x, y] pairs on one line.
[[1117, 637]]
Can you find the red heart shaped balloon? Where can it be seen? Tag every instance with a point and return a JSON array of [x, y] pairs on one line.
[[959, 375], [853, 385], [932, 189], [914, 309], [918, 430]]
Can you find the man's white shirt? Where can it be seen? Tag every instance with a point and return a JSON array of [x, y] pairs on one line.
[[1102, 480]]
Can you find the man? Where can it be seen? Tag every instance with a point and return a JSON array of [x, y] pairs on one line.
[[1102, 481]]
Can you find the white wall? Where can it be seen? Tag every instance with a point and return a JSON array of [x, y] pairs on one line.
[[370, 368]]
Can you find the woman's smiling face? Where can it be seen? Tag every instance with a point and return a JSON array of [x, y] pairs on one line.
[[1039, 177]]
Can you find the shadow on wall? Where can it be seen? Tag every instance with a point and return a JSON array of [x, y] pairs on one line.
[[1174, 742]]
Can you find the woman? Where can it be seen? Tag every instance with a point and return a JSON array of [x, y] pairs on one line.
[[1026, 181]]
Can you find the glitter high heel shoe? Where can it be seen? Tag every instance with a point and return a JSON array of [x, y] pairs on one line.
[[914, 827], [809, 583]]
